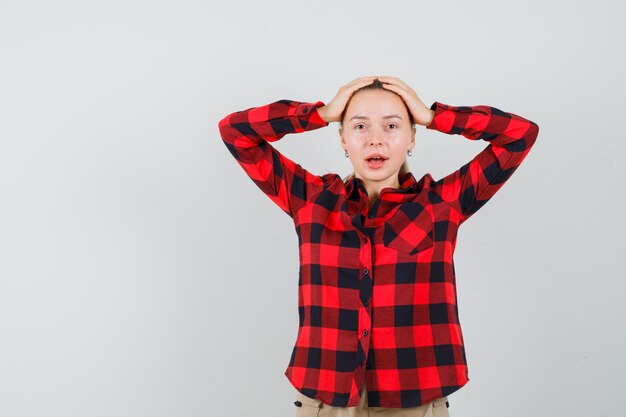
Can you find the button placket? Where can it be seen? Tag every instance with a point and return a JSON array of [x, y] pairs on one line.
[[365, 289], [365, 294]]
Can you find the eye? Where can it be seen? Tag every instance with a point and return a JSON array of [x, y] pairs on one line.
[[392, 126], [359, 126]]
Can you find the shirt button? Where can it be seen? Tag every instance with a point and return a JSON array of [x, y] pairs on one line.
[[367, 365], [365, 303], [364, 332], [370, 216], [365, 271], [365, 240], [305, 111]]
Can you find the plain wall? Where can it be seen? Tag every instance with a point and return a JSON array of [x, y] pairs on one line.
[[143, 274]]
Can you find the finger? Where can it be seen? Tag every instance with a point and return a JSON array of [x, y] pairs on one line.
[[393, 80], [409, 96], [396, 89], [350, 88], [389, 77], [398, 86], [369, 77], [366, 77], [362, 80]]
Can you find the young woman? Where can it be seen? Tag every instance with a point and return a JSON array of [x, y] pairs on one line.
[[377, 304]]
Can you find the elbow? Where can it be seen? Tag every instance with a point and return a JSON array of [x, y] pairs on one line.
[[226, 130], [531, 134], [534, 127], [223, 124]]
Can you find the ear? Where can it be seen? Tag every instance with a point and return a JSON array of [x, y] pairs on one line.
[[344, 145], [412, 138]]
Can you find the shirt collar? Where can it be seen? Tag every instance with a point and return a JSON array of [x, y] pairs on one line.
[[408, 185]]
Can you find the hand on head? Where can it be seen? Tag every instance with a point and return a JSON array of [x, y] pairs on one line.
[[332, 112], [422, 115], [334, 109]]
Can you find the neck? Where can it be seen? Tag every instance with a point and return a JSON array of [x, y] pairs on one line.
[[375, 187]]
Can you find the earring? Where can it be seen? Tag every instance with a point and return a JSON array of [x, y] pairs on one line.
[[409, 152], [346, 153]]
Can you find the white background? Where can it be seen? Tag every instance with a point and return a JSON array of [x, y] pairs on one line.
[[143, 274]]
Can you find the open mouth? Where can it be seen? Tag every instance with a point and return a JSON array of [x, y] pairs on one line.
[[376, 157], [375, 161]]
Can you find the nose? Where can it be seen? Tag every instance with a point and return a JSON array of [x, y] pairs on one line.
[[376, 139]]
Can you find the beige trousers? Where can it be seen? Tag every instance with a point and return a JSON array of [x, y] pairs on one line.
[[312, 407]]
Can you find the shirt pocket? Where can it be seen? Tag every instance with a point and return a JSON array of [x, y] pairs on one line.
[[410, 229]]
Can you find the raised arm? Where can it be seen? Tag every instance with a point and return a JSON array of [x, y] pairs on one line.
[[510, 138], [247, 135]]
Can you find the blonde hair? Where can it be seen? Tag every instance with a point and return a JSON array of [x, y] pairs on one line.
[[376, 85]]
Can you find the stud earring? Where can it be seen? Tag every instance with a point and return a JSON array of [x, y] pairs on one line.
[[346, 154], [409, 152]]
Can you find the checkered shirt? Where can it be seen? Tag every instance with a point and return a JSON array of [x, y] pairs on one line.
[[377, 298]]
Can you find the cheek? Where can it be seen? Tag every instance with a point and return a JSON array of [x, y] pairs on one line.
[[353, 141], [396, 139]]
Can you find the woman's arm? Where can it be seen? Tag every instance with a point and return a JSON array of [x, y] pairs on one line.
[[510, 138], [247, 135]]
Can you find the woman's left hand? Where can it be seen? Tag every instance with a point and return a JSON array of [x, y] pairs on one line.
[[422, 115]]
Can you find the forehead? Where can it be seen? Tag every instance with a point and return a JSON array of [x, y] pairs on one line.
[[376, 103]]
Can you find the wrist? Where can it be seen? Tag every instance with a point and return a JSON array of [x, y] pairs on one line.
[[326, 115], [322, 113], [430, 117], [426, 118]]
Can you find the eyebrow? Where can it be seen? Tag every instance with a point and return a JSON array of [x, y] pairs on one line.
[[389, 116]]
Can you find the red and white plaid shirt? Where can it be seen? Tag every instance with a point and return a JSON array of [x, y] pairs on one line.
[[377, 289]]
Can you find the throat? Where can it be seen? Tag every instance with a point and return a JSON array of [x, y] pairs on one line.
[[374, 189]]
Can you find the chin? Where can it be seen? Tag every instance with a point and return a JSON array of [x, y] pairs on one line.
[[377, 176]]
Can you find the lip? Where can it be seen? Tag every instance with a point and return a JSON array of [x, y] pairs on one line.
[[376, 164], [376, 155]]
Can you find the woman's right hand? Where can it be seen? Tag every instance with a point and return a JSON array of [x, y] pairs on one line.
[[333, 110]]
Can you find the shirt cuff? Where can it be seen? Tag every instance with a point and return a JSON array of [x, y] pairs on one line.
[[445, 116], [310, 110]]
